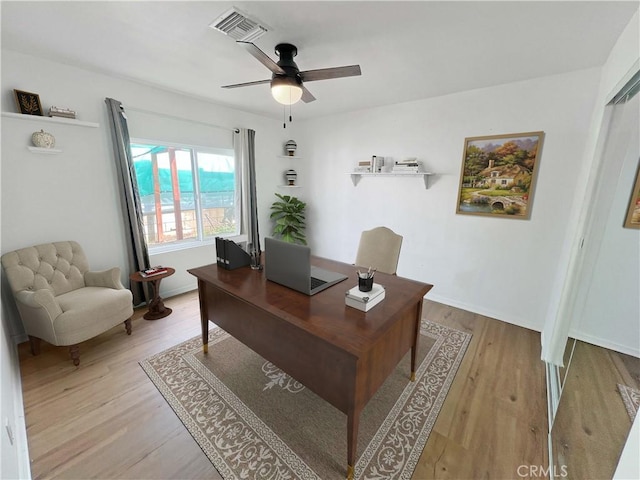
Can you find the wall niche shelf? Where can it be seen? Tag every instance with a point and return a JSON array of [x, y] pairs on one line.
[[45, 151], [356, 176], [38, 118]]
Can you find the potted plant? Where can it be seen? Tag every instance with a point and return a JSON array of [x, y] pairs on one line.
[[288, 214]]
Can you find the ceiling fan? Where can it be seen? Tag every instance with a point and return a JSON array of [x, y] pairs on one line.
[[287, 81]]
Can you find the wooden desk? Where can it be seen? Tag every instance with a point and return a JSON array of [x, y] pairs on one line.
[[340, 353]]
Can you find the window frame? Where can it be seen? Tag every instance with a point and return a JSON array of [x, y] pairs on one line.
[[200, 240]]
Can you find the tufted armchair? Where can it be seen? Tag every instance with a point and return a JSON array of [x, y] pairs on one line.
[[60, 300]]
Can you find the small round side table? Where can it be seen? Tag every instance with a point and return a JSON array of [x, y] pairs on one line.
[[156, 307]]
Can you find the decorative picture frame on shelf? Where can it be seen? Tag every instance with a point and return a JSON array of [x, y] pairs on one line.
[[498, 174], [28, 103], [632, 219]]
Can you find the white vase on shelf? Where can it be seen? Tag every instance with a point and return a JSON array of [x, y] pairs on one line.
[[291, 177], [291, 147]]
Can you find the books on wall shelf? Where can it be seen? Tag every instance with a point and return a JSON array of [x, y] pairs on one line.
[[374, 165], [150, 272], [363, 167], [62, 112], [410, 165]]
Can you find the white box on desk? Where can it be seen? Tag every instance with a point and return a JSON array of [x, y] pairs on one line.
[[364, 301]]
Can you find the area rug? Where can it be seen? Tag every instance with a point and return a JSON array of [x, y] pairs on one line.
[[255, 422], [631, 398]]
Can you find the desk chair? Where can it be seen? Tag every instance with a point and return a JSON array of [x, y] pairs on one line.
[[379, 248]]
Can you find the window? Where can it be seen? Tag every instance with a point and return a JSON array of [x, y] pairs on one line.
[[187, 193]]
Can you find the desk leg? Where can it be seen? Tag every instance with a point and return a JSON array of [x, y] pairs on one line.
[[416, 336], [353, 421], [204, 321]]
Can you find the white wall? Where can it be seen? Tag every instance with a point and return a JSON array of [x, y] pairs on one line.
[[73, 195], [500, 267]]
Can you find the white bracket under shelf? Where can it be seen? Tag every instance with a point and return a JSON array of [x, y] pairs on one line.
[[356, 176]]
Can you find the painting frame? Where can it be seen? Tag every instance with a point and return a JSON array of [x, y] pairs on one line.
[[498, 175], [632, 219], [28, 103]]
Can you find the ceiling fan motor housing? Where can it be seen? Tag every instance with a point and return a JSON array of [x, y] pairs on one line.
[[286, 52]]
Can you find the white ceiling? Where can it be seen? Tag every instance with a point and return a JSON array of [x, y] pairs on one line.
[[407, 50]]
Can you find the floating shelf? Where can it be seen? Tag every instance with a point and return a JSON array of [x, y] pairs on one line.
[[62, 120], [45, 151], [289, 186], [355, 176], [288, 156]]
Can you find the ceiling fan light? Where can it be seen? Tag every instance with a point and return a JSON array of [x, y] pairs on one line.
[[286, 90]]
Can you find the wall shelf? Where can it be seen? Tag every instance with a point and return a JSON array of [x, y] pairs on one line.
[[288, 186], [356, 176], [45, 151], [62, 120], [291, 157]]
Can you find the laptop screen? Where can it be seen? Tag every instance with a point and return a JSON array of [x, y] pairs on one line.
[[290, 265]]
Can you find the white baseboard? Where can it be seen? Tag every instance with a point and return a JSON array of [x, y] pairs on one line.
[[178, 291], [21, 338], [599, 342], [520, 322]]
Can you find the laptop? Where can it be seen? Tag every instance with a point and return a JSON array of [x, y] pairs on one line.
[[289, 264]]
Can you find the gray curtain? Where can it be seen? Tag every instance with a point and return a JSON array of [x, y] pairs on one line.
[[137, 253], [245, 153]]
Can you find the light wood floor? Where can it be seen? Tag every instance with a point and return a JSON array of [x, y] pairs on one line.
[[105, 419]]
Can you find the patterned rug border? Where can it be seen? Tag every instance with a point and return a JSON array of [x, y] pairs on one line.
[[631, 399], [437, 364]]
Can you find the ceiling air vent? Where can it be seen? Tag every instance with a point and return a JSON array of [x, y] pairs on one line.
[[238, 26]]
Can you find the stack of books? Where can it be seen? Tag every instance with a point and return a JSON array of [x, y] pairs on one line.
[[410, 165], [61, 112], [150, 272], [364, 167], [364, 301]]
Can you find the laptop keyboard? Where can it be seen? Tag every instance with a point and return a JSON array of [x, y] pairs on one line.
[[316, 282]]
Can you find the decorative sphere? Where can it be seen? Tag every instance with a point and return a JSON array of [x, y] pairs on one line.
[[43, 139], [291, 147], [291, 176]]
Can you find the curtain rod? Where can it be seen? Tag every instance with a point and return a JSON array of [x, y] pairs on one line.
[[142, 110]]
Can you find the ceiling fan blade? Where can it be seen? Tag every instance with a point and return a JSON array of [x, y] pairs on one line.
[[247, 84], [262, 57], [328, 73], [306, 95]]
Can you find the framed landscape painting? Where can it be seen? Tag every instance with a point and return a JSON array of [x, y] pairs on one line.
[[498, 175], [633, 211]]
